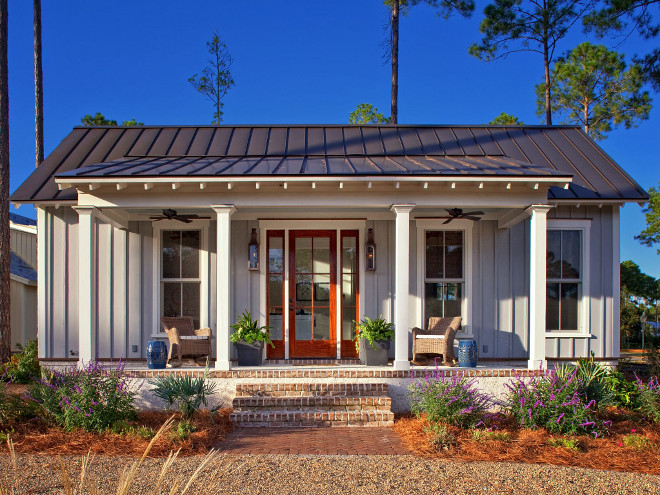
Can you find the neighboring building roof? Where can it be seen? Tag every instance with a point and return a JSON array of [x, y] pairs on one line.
[[349, 150], [21, 220], [20, 270]]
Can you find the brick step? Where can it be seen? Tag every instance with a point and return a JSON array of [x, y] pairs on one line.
[[312, 362], [320, 403], [310, 389], [290, 419]]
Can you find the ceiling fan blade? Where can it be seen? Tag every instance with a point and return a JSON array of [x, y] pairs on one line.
[[473, 213], [447, 221], [182, 219], [470, 217], [156, 219]]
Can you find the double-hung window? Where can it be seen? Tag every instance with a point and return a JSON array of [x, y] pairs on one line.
[[180, 281], [443, 273], [566, 276]]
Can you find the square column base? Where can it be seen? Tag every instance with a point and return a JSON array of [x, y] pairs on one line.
[[223, 365], [537, 364], [402, 365]]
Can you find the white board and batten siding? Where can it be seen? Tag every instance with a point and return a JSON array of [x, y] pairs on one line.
[[125, 271]]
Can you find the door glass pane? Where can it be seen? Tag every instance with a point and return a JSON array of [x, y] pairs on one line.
[[275, 289], [570, 253], [171, 299], [349, 255], [432, 301], [190, 244], [553, 266], [434, 251], [348, 327], [276, 254], [303, 324], [321, 323], [303, 290], [190, 301], [321, 290], [304, 254], [171, 243], [276, 322], [453, 299], [322, 255], [348, 289], [552, 307], [453, 254], [569, 306]]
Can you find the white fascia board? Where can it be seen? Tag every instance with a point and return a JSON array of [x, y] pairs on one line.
[[28, 229], [75, 181], [22, 280]]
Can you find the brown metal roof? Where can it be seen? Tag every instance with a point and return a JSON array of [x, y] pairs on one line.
[[176, 151]]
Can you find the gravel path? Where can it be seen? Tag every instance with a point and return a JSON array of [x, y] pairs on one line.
[[304, 474]]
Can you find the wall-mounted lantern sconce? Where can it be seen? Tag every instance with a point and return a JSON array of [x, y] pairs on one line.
[[370, 250], [253, 247]]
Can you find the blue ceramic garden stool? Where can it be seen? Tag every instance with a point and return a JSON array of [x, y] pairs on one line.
[[156, 355], [467, 353]]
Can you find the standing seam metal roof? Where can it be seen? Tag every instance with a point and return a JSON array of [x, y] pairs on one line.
[[335, 150]]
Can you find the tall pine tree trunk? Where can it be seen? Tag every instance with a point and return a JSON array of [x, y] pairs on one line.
[[395, 62], [5, 329], [546, 63], [38, 87]]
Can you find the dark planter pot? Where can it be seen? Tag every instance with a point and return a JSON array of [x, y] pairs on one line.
[[249, 354], [156, 355], [374, 357]]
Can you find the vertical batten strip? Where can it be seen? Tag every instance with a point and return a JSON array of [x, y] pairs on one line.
[[616, 285], [223, 250], [42, 235]]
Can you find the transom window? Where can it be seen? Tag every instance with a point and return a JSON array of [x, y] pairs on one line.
[[564, 277], [443, 273], [180, 274]]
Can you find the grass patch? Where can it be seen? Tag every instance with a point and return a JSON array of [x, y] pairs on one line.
[[637, 442], [564, 443], [493, 435]]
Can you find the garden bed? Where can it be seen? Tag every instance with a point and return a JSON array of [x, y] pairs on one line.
[[35, 436], [533, 446]]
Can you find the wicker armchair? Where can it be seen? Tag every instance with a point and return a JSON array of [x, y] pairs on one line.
[[438, 339], [189, 342]]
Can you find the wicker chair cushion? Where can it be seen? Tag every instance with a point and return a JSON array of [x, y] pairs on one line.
[[193, 337], [422, 336]]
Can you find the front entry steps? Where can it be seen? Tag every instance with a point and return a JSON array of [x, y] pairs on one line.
[[312, 405]]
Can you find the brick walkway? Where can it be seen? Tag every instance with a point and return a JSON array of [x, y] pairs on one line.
[[324, 441]]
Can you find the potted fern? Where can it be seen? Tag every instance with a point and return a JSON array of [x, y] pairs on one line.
[[374, 336], [249, 339]]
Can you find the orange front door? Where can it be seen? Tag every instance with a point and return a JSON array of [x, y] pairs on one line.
[[312, 293]]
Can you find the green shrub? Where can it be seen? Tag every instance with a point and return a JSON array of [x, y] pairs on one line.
[[551, 402], [183, 430], [591, 378], [92, 398], [455, 400], [638, 442], [649, 398], [441, 437], [23, 367], [563, 442], [499, 436], [184, 393], [624, 393]]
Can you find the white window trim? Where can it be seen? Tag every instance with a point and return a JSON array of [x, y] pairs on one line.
[[158, 227], [304, 224], [433, 224], [584, 226]]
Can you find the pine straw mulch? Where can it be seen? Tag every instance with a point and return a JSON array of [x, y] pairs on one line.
[[531, 446], [38, 437]]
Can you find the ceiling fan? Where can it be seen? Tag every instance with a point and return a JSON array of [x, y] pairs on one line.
[[457, 213], [169, 214]]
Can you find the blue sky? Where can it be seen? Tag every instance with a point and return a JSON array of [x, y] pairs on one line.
[[294, 62]]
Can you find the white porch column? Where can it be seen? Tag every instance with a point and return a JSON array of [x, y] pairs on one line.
[[86, 284], [537, 285], [401, 285], [223, 275]]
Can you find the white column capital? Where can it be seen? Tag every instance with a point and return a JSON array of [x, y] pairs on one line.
[[402, 208], [539, 208], [85, 210], [227, 209]]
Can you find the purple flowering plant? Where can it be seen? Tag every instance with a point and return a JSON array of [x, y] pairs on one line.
[[93, 397], [448, 397], [649, 398], [552, 402]]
